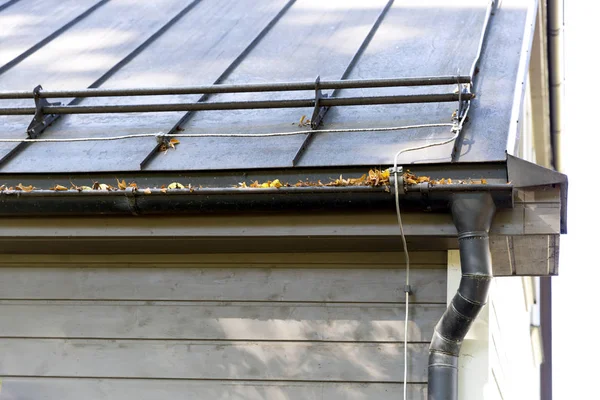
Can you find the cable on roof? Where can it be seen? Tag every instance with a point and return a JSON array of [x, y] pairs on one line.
[[457, 128], [159, 135]]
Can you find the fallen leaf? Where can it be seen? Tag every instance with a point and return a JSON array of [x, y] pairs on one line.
[[484, 181], [85, 188], [122, 185], [147, 191], [3, 187], [265, 185], [104, 186], [59, 188], [163, 190], [275, 184], [173, 143], [175, 185], [25, 188], [133, 185]]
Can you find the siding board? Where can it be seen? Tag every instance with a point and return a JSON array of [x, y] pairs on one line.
[[223, 321], [359, 362], [127, 389], [220, 284]]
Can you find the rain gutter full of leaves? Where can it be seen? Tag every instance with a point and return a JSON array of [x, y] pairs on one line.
[[133, 201]]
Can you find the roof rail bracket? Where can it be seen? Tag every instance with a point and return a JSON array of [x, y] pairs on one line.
[[40, 120], [318, 112]]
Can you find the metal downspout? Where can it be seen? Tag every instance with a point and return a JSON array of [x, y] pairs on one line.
[[556, 72], [472, 214]]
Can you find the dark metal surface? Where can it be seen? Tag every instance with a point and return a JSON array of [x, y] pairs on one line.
[[234, 64], [312, 38], [320, 112], [50, 37], [7, 4], [474, 72], [496, 106], [472, 214], [172, 10]]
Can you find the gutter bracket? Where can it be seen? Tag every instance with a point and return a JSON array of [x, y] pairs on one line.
[[40, 120], [400, 170]]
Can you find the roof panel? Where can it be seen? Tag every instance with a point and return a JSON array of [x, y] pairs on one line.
[[226, 28], [82, 54], [28, 22], [313, 37]]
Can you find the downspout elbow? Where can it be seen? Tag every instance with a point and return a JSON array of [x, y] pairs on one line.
[[472, 214]]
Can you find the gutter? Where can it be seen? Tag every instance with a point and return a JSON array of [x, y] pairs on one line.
[[213, 200], [556, 72]]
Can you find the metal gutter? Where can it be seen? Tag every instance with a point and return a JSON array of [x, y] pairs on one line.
[[132, 201], [556, 72]]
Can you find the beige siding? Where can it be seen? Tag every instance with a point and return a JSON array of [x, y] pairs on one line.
[[216, 330]]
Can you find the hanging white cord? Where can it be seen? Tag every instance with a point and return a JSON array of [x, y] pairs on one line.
[[226, 135], [457, 128]]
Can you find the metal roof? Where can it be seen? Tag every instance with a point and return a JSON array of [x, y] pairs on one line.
[[133, 43]]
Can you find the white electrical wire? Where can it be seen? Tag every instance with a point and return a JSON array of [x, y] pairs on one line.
[[457, 128], [245, 135]]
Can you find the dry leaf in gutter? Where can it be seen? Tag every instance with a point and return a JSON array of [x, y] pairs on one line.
[[147, 191], [173, 143], [275, 184], [122, 185], [25, 188], [85, 188], [175, 185], [59, 188], [133, 185]]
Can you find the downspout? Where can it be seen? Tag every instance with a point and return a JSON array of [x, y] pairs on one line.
[[556, 72], [472, 214]]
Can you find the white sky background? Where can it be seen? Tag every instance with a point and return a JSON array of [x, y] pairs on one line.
[[576, 291]]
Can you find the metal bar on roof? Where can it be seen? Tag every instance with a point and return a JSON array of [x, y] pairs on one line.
[[241, 105], [38, 130], [224, 75], [8, 4], [217, 88], [50, 37], [320, 112]]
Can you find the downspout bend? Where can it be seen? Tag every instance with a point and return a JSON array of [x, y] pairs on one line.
[[472, 214]]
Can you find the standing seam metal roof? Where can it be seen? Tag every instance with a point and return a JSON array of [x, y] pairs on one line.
[[131, 43]]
